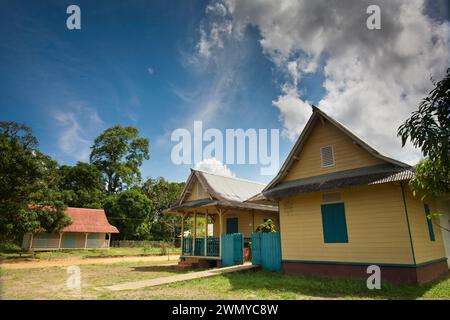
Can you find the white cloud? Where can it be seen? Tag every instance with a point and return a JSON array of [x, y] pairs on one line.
[[294, 112], [214, 166], [373, 78], [150, 70], [75, 128]]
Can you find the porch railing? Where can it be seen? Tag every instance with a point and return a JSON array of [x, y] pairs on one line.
[[212, 246], [187, 246]]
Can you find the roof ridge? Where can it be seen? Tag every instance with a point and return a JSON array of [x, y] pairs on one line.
[[229, 177]]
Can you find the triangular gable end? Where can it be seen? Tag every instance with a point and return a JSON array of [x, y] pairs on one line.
[[193, 190], [322, 131]]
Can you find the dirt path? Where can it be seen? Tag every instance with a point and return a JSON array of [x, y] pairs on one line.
[[179, 277], [81, 261]]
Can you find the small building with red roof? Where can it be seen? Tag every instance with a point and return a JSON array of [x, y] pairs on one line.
[[89, 229]]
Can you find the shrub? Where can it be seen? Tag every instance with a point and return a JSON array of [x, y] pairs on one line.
[[267, 226]]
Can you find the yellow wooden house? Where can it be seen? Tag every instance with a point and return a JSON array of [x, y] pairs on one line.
[[221, 201], [344, 206]]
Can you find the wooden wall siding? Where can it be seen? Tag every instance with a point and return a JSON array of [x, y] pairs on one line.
[[245, 221], [424, 249], [376, 222], [347, 155], [52, 241], [194, 195]]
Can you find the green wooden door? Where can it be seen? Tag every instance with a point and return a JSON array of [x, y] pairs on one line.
[[232, 225]]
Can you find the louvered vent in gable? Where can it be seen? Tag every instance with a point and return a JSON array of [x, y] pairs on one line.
[[327, 156]]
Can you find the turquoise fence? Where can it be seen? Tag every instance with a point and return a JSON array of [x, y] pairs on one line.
[[266, 250], [232, 249]]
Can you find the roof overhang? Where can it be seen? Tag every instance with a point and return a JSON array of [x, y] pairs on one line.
[[356, 177]]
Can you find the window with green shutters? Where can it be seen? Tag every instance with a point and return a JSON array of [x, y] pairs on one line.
[[334, 223], [429, 223]]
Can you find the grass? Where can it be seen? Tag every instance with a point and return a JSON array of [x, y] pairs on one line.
[[14, 252], [50, 283]]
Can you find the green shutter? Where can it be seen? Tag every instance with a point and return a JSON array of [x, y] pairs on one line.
[[429, 223], [334, 223]]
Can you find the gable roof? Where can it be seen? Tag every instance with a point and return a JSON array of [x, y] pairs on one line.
[[318, 115], [88, 220], [222, 190]]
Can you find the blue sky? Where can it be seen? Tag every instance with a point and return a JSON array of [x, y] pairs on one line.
[[138, 63]]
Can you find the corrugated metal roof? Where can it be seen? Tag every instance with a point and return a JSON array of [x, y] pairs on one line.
[[224, 191], [230, 188], [88, 220], [343, 179]]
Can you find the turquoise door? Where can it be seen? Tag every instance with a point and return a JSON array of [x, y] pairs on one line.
[[232, 225], [69, 240]]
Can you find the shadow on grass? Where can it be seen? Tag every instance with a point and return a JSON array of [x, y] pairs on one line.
[[293, 286]]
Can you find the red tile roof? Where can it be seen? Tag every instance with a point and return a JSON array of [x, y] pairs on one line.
[[88, 220]]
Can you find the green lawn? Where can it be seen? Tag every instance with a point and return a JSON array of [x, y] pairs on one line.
[[15, 253], [50, 283]]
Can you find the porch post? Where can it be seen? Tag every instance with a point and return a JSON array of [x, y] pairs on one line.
[[220, 232], [194, 235], [59, 243], [85, 240], [182, 233], [206, 231]]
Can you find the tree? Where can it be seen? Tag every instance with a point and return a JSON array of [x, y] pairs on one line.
[[29, 201], [163, 194], [118, 153], [428, 128], [130, 211], [82, 185]]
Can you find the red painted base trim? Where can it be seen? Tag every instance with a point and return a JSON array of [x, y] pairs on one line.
[[416, 275]]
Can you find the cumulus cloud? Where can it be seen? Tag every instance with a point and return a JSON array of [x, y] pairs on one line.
[[373, 78], [214, 166]]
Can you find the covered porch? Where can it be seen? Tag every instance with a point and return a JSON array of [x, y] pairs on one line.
[[206, 223], [216, 219], [201, 232]]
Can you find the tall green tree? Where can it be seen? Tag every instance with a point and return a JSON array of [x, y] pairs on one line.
[[130, 211], [428, 128], [163, 194], [118, 153], [29, 199], [82, 185]]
